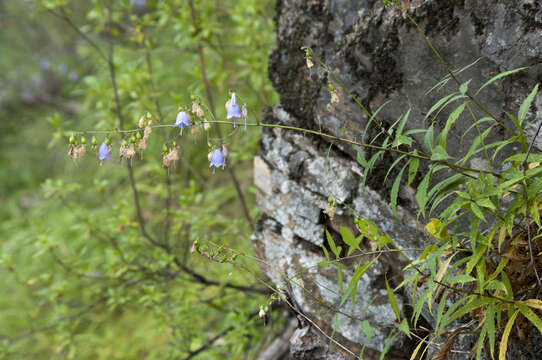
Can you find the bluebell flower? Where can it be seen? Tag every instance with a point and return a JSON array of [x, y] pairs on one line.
[[104, 153], [45, 64], [217, 160], [232, 109], [182, 121]]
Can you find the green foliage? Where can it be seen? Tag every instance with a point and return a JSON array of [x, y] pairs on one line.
[[81, 279]]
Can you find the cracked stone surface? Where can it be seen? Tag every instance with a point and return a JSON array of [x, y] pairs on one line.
[[379, 56]]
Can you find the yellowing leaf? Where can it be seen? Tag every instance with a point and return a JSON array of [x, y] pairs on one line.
[[534, 303], [505, 335], [434, 227]]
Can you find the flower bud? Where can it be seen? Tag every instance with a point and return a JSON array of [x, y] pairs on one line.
[[174, 144], [164, 148], [94, 141], [83, 140], [107, 142], [225, 151], [261, 314], [132, 139], [72, 140], [138, 136], [124, 143], [210, 155]]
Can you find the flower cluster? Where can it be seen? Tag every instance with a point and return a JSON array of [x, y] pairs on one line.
[[170, 155]]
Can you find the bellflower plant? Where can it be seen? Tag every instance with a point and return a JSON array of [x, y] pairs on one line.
[[232, 109], [104, 153], [182, 121], [217, 160]]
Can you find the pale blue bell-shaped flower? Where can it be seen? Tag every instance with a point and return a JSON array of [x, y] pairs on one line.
[[233, 110], [217, 160], [104, 153], [182, 121]]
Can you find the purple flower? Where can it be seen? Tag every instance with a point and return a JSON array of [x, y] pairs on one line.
[[232, 109], [45, 64], [217, 160], [104, 153], [73, 76], [182, 121]]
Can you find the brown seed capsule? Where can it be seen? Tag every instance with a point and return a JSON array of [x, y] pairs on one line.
[[225, 152], [194, 130], [170, 157], [206, 125], [197, 110]]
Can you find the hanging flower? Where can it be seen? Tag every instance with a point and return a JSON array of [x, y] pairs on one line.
[[206, 125], [127, 151], [232, 109], [77, 152], [196, 109], [217, 160], [170, 157], [104, 153], [310, 64], [182, 121], [244, 114]]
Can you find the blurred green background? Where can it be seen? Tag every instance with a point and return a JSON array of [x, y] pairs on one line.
[[79, 280]]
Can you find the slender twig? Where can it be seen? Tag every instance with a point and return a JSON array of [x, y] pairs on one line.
[[209, 343], [209, 96], [69, 21]]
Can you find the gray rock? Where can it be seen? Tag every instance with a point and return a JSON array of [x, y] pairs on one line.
[[379, 56]]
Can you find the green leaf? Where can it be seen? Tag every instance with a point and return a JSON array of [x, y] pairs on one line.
[[361, 159], [462, 279], [404, 328], [478, 253], [475, 304], [441, 140], [531, 316], [440, 154], [395, 190], [350, 240], [366, 328], [477, 211], [334, 249], [463, 88], [524, 108], [499, 76], [393, 300], [404, 119], [429, 138], [440, 103], [353, 285], [413, 166], [421, 193]]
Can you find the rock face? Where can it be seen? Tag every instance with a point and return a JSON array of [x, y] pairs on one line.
[[378, 55]]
